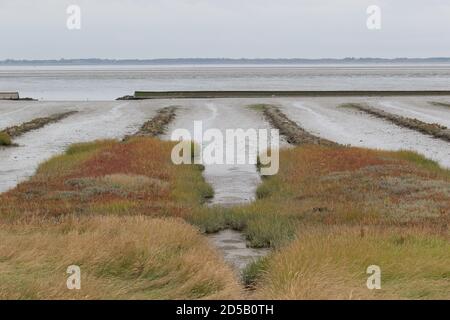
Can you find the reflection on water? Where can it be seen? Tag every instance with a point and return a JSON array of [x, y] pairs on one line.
[[234, 247]]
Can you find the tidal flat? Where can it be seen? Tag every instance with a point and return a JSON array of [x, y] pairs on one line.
[[381, 192]]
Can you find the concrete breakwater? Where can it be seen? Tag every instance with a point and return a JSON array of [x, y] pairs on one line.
[[139, 95], [9, 96], [14, 96]]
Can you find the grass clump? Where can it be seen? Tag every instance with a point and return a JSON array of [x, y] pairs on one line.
[[254, 272], [331, 263], [5, 139], [209, 219]]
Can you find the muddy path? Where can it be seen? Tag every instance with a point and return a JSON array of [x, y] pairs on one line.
[[233, 184]]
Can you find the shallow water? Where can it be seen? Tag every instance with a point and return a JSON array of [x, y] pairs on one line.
[[109, 82], [234, 248]]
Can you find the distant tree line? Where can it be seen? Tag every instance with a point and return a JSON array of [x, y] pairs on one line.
[[184, 61]]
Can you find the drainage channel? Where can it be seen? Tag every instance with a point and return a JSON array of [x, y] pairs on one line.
[[233, 184]]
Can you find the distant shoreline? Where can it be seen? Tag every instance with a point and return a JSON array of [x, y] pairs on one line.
[[219, 61]]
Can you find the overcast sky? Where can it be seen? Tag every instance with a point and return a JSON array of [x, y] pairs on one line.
[[31, 29]]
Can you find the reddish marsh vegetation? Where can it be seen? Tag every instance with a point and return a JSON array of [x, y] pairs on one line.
[[136, 177]]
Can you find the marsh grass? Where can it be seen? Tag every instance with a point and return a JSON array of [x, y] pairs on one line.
[[119, 209], [120, 258], [94, 174], [254, 272], [330, 262], [114, 209]]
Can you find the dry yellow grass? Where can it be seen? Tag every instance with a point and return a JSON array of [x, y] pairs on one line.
[[331, 263], [120, 258]]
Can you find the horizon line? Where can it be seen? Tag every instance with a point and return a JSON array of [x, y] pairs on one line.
[[226, 59]]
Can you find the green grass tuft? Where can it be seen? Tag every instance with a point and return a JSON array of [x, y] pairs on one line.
[[253, 273]]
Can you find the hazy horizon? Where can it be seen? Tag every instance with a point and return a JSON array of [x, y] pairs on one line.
[[162, 29], [224, 60]]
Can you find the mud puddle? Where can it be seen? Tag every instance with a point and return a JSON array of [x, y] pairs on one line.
[[234, 248]]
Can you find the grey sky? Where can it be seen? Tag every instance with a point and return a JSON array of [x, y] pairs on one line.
[[31, 29]]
